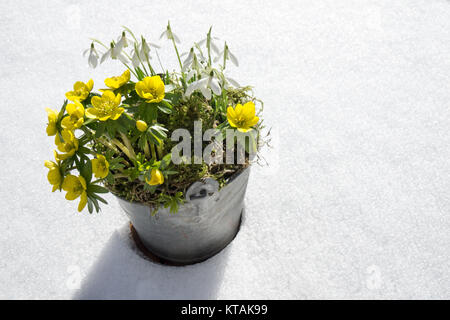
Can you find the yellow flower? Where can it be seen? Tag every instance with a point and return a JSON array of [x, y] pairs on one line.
[[117, 82], [100, 166], [54, 175], [68, 146], [52, 118], [75, 187], [106, 107], [80, 91], [141, 125], [75, 118], [242, 117], [156, 178], [151, 89]]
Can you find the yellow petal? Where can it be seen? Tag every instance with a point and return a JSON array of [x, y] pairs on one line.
[[117, 99], [96, 101], [248, 110], [83, 182], [238, 109], [83, 201], [90, 84], [51, 129], [91, 113], [49, 164], [108, 95], [252, 122]]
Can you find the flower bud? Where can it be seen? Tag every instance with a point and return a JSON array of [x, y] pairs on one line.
[[141, 125]]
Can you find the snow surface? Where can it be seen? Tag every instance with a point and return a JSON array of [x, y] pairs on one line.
[[356, 201]]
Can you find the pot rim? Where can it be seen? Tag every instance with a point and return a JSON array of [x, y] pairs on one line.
[[228, 181]]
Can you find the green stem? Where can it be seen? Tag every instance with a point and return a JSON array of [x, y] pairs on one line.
[[152, 146], [128, 144], [123, 148], [147, 150]]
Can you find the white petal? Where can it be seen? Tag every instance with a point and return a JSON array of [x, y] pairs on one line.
[[135, 59], [93, 60], [191, 88], [189, 58], [163, 34], [154, 45], [105, 56], [214, 85], [122, 58], [86, 51], [190, 75], [214, 47], [233, 82], [168, 87], [206, 92], [177, 40], [233, 59], [219, 56]]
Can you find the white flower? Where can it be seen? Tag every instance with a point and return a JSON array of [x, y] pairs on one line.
[[114, 53], [227, 55], [93, 56], [123, 41], [191, 62], [205, 85], [169, 34], [141, 52], [214, 46], [229, 81]]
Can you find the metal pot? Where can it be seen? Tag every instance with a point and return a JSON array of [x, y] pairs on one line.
[[204, 225]]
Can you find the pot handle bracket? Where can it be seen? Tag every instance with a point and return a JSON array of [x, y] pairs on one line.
[[203, 190]]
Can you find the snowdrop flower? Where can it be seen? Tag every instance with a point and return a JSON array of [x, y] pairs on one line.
[[229, 81], [214, 46], [93, 56], [205, 85], [225, 55], [141, 52], [169, 34], [122, 42], [114, 52], [192, 62]]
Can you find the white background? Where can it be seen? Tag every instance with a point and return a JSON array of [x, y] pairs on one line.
[[355, 202]]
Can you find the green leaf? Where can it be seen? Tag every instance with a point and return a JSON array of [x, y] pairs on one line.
[[100, 129], [97, 197], [90, 206], [95, 188], [165, 161], [86, 170], [165, 107]]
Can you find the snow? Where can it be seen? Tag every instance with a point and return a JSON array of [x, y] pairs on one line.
[[355, 203]]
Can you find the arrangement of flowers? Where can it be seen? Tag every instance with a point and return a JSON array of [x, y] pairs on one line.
[[118, 139]]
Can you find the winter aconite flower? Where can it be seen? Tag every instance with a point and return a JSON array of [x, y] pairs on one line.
[[75, 117], [54, 175], [151, 89], [52, 118], [80, 91], [117, 82], [100, 166], [242, 117], [105, 107], [76, 187], [156, 178], [141, 125], [68, 146]]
